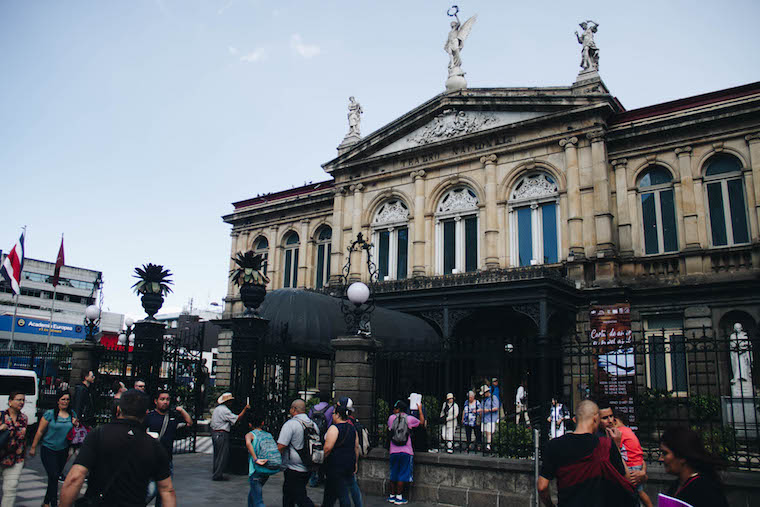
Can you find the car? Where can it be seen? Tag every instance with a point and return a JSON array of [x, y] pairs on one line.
[[25, 381]]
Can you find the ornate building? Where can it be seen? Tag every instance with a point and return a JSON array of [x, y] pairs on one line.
[[501, 215]]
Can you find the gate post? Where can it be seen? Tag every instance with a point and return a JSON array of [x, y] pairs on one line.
[[354, 373], [148, 352], [84, 358]]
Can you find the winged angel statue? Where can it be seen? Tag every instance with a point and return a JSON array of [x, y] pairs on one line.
[[455, 41]]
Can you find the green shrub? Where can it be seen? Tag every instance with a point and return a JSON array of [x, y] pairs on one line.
[[383, 413], [704, 407], [513, 440], [719, 441]]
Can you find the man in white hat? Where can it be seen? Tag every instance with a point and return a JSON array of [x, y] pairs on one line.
[[221, 422], [449, 416]]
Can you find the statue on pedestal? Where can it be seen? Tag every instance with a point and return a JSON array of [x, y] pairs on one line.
[[354, 118], [589, 51], [453, 47], [741, 363]]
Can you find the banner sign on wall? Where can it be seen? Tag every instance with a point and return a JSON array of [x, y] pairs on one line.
[[615, 368], [39, 327]]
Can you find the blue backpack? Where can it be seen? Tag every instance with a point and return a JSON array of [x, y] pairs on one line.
[[265, 448]]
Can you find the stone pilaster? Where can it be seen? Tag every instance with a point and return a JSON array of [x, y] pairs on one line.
[[304, 258], [605, 244], [84, 358], [753, 140], [688, 199], [336, 261], [492, 219], [356, 228], [232, 289], [275, 252], [354, 373], [575, 218], [625, 237], [418, 263]]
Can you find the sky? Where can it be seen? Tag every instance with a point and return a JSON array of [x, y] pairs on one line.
[[131, 126]]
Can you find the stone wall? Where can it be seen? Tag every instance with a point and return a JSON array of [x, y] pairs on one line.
[[471, 480]]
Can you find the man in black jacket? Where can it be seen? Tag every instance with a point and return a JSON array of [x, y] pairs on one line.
[[84, 404]]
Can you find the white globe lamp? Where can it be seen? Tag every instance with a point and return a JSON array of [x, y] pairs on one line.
[[358, 293], [129, 321], [92, 312]]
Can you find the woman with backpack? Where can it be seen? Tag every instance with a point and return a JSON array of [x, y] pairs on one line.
[[341, 459], [264, 459]]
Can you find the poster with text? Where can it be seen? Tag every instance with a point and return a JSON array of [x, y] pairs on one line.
[[614, 359]]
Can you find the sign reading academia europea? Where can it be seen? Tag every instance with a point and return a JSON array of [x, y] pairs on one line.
[[40, 327]]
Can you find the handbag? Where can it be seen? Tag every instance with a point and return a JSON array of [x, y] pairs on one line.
[[5, 434]]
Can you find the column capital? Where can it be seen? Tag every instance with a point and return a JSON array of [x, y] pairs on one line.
[[339, 190], [569, 142], [234, 234], [356, 188], [718, 146], [489, 159], [683, 150], [619, 163], [752, 138], [596, 136], [417, 174]]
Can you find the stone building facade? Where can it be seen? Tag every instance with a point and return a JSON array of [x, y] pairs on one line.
[[528, 205]]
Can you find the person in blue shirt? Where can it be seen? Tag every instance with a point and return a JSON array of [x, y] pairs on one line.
[[53, 429], [490, 410]]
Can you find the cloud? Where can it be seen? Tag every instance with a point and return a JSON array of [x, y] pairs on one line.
[[305, 50], [225, 7], [256, 55], [232, 49]]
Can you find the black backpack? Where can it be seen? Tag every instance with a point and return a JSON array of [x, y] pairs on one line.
[[320, 419], [400, 430]]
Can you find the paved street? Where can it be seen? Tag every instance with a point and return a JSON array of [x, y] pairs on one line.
[[193, 484]]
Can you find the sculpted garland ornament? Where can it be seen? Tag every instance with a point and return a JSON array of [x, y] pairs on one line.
[[391, 212], [461, 199], [535, 186], [451, 123]]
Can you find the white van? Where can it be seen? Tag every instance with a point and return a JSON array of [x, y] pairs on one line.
[[24, 381]]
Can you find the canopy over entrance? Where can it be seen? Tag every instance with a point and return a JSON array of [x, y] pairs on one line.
[[304, 321]]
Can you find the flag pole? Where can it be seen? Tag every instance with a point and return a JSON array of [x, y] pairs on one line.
[[13, 324], [52, 308]]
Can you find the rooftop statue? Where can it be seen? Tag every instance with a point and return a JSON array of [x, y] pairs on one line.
[[589, 51], [453, 47], [354, 118]]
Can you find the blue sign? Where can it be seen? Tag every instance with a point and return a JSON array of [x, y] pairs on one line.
[[40, 327]]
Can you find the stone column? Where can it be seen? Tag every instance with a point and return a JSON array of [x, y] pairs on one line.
[[274, 259], [232, 290], [605, 244], [625, 238], [575, 218], [84, 358], [418, 266], [303, 255], [753, 140], [356, 228], [688, 200], [492, 220], [336, 261], [354, 374]]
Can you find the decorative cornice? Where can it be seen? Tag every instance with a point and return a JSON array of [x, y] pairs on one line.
[[752, 138], [417, 174], [489, 159], [683, 150], [568, 143]]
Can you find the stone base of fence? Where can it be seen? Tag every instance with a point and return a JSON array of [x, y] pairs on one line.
[[474, 481]]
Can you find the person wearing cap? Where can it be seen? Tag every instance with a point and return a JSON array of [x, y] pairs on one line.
[[490, 410], [222, 420], [401, 458], [449, 416]]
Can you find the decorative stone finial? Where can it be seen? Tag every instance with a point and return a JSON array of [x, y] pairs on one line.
[[453, 47]]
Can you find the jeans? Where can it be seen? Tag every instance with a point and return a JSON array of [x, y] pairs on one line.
[[255, 494], [337, 488], [153, 487], [294, 489], [356, 494], [478, 436], [11, 476], [53, 461]]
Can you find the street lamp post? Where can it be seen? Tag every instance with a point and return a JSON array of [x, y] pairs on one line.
[[358, 301], [91, 321]]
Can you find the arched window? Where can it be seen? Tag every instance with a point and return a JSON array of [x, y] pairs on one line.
[[534, 220], [457, 231], [261, 247], [290, 262], [725, 200], [658, 211], [391, 238], [324, 249]]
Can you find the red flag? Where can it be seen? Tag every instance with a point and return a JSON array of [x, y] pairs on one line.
[[58, 263]]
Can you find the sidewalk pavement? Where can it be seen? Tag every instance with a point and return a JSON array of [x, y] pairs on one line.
[[192, 481]]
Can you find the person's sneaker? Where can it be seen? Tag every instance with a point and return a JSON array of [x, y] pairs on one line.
[[391, 499], [402, 501]]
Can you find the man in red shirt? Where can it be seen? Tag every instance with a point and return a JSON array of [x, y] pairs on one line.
[[630, 449]]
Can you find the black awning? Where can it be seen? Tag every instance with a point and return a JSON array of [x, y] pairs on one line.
[[304, 321]]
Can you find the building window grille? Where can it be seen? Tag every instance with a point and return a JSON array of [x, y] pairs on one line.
[[261, 247], [457, 232], [324, 249], [391, 238], [658, 211], [290, 264], [666, 354], [534, 220], [726, 202]]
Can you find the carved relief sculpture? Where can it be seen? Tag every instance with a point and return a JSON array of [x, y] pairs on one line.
[[741, 363], [589, 51], [390, 213], [452, 123], [461, 199], [535, 186]]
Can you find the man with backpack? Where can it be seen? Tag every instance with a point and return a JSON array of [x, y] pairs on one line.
[[401, 453], [264, 459], [299, 436], [321, 414]]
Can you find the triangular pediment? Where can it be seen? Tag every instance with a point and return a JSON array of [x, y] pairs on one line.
[[466, 114]]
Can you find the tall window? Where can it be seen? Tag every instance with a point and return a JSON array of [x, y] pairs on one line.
[[725, 200], [324, 249], [391, 239], [658, 211], [261, 247], [290, 264], [457, 231], [666, 357], [534, 220]]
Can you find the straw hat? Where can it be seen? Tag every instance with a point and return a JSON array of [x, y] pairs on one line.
[[484, 389], [224, 398], [450, 396]]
